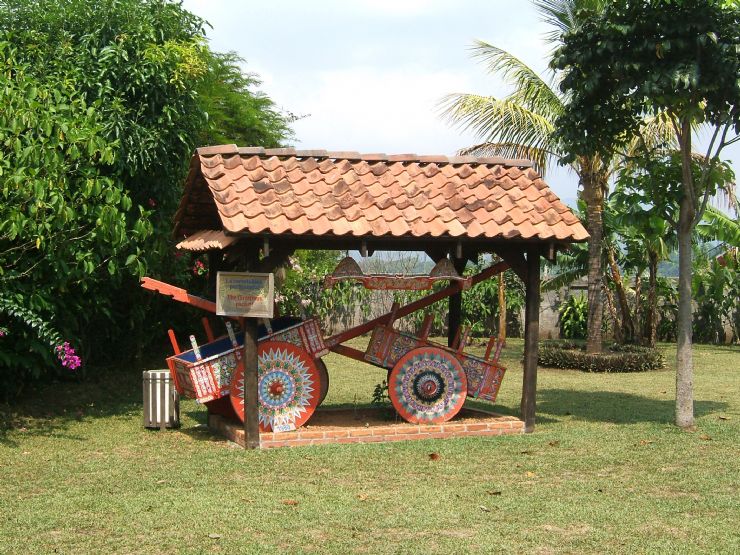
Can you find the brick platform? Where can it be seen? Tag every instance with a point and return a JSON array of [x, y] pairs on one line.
[[370, 426]]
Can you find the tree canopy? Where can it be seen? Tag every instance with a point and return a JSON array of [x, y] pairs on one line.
[[103, 104]]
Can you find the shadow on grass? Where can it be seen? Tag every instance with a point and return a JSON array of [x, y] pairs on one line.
[[53, 408], [615, 407]]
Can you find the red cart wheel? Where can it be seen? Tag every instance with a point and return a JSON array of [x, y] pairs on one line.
[[324, 375], [289, 385], [427, 386]]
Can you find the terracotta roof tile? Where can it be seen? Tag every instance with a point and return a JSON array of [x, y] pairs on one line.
[[253, 190]]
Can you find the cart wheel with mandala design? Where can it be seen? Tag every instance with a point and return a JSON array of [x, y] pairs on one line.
[[289, 386], [427, 386]]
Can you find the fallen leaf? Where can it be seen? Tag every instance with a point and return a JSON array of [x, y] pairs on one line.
[[554, 443], [484, 509], [290, 502], [663, 392], [434, 456], [492, 492], [530, 474], [526, 452], [723, 417], [161, 481], [705, 437], [646, 441], [214, 536], [362, 496]]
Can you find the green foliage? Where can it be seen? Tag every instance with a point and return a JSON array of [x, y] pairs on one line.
[[380, 394], [236, 113], [667, 309], [103, 103], [303, 290], [65, 227], [638, 57], [480, 306], [573, 315], [716, 289], [618, 358]]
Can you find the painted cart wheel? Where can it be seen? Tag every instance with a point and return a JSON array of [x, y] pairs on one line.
[[427, 386], [289, 385], [324, 375]]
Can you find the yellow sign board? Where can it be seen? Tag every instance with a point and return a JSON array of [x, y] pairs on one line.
[[245, 294]]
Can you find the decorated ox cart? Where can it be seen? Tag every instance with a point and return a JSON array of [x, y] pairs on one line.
[[427, 382]]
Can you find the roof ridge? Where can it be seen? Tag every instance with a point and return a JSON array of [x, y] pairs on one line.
[[439, 159]]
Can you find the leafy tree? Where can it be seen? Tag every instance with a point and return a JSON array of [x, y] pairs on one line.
[[65, 227], [103, 104], [522, 125], [680, 58], [236, 112]]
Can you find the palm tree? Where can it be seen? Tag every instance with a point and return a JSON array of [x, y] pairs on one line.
[[521, 125]]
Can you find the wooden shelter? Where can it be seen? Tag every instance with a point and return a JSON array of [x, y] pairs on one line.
[[251, 208]]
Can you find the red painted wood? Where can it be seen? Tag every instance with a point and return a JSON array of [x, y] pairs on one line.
[[349, 352], [414, 306], [178, 294], [173, 341], [207, 328]]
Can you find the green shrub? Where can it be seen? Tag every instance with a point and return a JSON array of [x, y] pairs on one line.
[[573, 317], [616, 358]]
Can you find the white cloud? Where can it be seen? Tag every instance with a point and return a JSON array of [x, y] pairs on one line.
[[372, 109]]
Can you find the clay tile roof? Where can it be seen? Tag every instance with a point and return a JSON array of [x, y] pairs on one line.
[[208, 239], [318, 192]]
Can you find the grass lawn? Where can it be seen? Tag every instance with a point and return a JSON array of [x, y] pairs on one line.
[[605, 472]]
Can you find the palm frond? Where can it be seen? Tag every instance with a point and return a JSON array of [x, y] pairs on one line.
[[499, 121], [563, 279], [562, 15], [537, 156], [530, 90], [718, 226]]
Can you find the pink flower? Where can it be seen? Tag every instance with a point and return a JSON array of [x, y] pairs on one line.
[[68, 357], [199, 268], [3, 332]]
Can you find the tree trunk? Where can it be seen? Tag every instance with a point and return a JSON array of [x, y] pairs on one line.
[[617, 330], [628, 326], [593, 193], [652, 301], [637, 320], [501, 309], [684, 368]]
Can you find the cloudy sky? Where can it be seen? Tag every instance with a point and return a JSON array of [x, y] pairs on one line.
[[367, 75]]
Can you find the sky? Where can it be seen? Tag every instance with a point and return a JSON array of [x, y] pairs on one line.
[[368, 75]]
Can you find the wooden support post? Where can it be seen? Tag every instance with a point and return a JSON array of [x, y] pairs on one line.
[[454, 314], [251, 396], [531, 338]]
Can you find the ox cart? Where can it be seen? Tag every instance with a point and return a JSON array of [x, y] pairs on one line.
[[427, 382]]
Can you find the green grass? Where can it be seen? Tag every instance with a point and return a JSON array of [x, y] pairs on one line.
[[605, 472]]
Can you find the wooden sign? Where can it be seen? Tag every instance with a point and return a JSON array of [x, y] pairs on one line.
[[245, 294]]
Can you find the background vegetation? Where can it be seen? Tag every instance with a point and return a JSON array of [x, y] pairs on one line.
[[103, 104]]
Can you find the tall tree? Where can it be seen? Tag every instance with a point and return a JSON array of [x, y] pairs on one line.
[[521, 125], [636, 58]]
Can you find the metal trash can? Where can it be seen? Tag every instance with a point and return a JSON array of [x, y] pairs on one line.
[[161, 401]]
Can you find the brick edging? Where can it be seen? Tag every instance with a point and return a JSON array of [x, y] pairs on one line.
[[495, 426]]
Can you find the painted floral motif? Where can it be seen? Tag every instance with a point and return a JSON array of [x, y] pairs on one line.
[[427, 385], [288, 387]]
